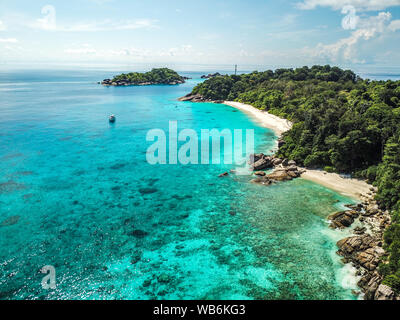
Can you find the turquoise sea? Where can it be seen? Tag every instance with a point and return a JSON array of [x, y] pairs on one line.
[[77, 193]]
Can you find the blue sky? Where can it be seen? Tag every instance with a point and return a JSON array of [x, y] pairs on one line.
[[207, 32]]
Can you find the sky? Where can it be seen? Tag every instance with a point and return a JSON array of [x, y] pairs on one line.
[[206, 32]]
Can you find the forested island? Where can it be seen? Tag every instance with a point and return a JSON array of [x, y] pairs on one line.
[[155, 76], [341, 123]]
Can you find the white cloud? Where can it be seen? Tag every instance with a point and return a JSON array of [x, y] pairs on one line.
[[81, 51], [394, 25], [289, 19], [137, 53], [346, 48], [8, 40], [51, 22], [2, 26], [366, 29], [107, 25], [183, 51], [294, 35], [367, 5]]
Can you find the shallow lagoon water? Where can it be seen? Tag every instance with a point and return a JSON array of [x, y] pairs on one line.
[[116, 227]]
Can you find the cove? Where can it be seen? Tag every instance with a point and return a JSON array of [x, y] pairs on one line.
[[115, 227]]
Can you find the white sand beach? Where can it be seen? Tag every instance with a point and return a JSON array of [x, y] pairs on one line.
[[353, 188], [270, 121], [349, 187]]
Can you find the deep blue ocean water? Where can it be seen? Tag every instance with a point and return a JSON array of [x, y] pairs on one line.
[[77, 193]]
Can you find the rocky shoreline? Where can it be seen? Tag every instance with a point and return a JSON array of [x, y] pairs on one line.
[[284, 169], [364, 250], [198, 98], [109, 82]]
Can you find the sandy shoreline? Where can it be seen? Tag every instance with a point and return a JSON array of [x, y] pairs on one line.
[[270, 121], [349, 187], [353, 188]]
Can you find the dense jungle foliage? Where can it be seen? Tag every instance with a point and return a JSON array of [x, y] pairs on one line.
[[341, 122], [156, 76]]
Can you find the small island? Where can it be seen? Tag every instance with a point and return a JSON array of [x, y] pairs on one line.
[[155, 76]]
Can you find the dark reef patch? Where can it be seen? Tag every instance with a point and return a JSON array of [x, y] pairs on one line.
[[138, 233], [65, 138], [10, 221], [144, 191], [118, 166], [178, 197], [12, 156], [79, 172], [24, 173], [11, 186]]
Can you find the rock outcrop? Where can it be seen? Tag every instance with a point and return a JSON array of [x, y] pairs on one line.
[[364, 249], [260, 173], [198, 98], [193, 98], [283, 169], [361, 250], [211, 75], [384, 292], [343, 219]]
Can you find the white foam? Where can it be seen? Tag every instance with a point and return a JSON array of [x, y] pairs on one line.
[[348, 279]]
